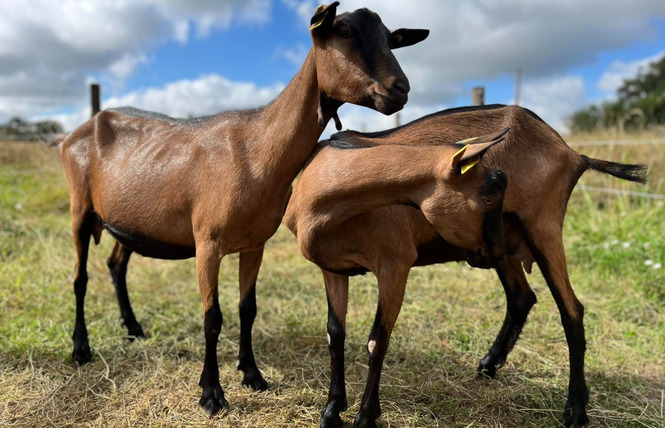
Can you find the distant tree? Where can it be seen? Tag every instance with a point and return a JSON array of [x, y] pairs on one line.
[[640, 104], [586, 120], [649, 82], [17, 126], [48, 127]]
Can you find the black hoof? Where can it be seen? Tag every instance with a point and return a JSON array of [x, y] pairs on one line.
[[575, 416], [134, 332], [485, 372], [487, 368], [82, 354], [364, 422], [255, 381], [331, 421], [213, 400], [330, 415]]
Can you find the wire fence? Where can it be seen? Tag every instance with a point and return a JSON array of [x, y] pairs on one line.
[[651, 141], [620, 192], [28, 138], [609, 190]]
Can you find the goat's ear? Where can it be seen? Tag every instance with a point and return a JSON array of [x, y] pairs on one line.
[[407, 37], [475, 147], [323, 19]]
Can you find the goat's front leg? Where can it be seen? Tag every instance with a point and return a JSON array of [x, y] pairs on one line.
[[208, 259], [250, 262], [337, 292], [519, 298], [551, 258], [117, 264], [391, 294]]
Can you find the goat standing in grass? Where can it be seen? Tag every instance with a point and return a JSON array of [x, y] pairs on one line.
[[542, 171], [206, 187], [463, 204]]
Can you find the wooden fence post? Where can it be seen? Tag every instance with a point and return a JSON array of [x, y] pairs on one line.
[[94, 98], [478, 96]]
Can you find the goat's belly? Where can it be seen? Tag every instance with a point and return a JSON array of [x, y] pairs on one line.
[[150, 247]]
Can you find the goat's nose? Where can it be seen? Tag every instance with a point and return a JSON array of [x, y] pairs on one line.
[[402, 86]]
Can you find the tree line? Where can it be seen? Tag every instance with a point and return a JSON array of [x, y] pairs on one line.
[[640, 105], [17, 127]]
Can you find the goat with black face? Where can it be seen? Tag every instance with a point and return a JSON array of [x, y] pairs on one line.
[[171, 188]]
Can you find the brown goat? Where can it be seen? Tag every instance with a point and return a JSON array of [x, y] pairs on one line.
[[341, 183], [206, 187], [542, 171]]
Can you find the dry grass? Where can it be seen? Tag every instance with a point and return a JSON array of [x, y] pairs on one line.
[[450, 316]]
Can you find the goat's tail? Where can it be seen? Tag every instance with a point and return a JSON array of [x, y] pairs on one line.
[[637, 173]]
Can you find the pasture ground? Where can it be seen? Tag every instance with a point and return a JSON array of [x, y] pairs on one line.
[[450, 317]]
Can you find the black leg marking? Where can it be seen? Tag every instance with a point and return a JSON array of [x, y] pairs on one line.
[[572, 319], [370, 407], [117, 264], [518, 307], [246, 362], [337, 401], [520, 299], [212, 399], [81, 353]]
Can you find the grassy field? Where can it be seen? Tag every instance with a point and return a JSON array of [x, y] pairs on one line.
[[615, 246]]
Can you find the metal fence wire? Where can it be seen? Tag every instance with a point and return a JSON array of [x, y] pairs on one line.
[[609, 190]]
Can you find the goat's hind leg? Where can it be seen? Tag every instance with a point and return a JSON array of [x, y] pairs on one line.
[[82, 227], [520, 298], [337, 292], [250, 262], [551, 258], [117, 264]]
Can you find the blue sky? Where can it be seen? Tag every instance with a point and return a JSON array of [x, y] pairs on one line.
[[199, 57]]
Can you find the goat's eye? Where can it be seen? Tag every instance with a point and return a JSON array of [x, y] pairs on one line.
[[344, 32], [488, 201]]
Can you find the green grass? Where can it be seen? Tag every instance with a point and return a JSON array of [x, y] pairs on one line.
[[449, 319]]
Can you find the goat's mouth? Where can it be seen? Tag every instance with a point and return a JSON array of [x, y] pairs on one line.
[[390, 103], [389, 99]]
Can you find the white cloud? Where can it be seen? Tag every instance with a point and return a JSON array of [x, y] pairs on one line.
[[620, 70], [554, 98], [206, 95], [304, 9], [124, 66], [296, 55], [45, 59], [47, 48], [482, 39], [367, 120]]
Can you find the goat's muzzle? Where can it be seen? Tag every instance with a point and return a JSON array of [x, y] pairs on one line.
[[392, 98]]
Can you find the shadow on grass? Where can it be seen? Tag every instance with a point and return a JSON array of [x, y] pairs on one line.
[[420, 386]]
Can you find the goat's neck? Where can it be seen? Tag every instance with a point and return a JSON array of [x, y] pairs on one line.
[[361, 180], [288, 128]]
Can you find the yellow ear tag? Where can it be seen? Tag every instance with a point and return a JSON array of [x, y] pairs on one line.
[[398, 38], [459, 152], [320, 21], [471, 163], [466, 141]]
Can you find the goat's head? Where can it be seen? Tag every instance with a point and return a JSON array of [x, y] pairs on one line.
[[354, 62], [467, 207]]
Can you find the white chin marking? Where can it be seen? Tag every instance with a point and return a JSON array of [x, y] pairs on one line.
[[371, 345], [328, 335]]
